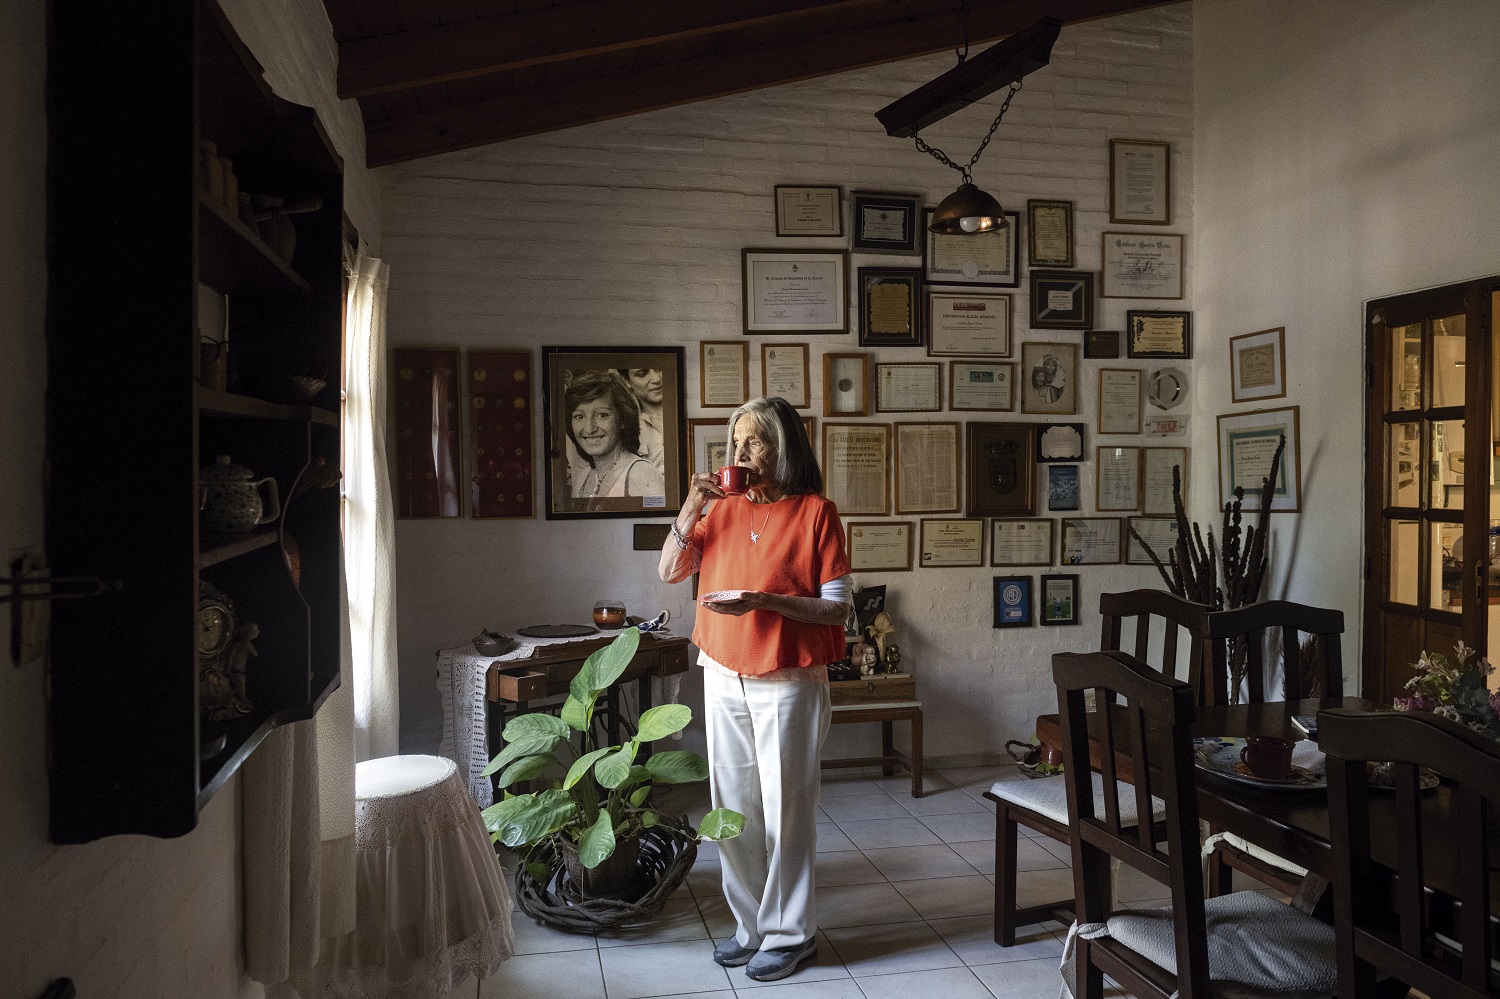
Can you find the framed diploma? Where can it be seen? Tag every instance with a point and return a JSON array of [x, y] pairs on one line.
[[708, 445], [1120, 400], [889, 310], [1140, 182], [1101, 345], [1159, 334], [1247, 444], [1090, 541], [1021, 542], [1159, 533], [981, 385], [795, 291], [1119, 483], [991, 258], [882, 546], [1257, 365], [1059, 442], [809, 211], [1156, 479], [844, 379], [915, 387], [1049, 233], [976, 325], [1013, 601], [1141, 265], [1049, 378], [856, 463], [723, 374], [926, 467], [886, 223], [952, 544], [999, 473], [784, 373], [1062, 300], [1062, 488], [1059, 598]]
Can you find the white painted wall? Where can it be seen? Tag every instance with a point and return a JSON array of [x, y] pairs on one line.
[[129, 916], [1343, 152], [629, 233]]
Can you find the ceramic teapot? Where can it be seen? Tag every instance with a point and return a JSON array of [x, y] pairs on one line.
[[233, 500]]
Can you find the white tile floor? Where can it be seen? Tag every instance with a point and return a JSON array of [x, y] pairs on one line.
[[905, 902]]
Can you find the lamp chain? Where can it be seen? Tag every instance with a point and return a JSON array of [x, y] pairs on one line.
[[942, 157], [963, 30]]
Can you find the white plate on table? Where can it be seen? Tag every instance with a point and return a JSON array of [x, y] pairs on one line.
[[722, 597], [1221, 757]]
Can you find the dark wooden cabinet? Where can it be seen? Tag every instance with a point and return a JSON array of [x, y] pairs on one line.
[[132, 233]]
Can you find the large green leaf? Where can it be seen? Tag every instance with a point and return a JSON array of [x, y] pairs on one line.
[[677, 767], [502, 812], [721, 823], [578, 712], [526, 768], [528, 818], [638, 796], [615, 767], [535, 726], [637, 774], [517, 749], [605, 666], [662, 720], [598, 842], [581, 766]]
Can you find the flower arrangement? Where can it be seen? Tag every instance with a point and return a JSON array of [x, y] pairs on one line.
[[1455, 689]]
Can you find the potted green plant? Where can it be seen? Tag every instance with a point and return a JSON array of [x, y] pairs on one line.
[[597, 810]]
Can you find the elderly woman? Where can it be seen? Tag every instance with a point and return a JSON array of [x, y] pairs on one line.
[[765, 646], [604, 425]]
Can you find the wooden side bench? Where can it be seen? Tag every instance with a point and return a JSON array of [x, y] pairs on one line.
[[889, 758]]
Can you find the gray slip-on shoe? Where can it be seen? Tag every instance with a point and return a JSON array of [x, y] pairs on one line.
[[731, 955], [778, 962]]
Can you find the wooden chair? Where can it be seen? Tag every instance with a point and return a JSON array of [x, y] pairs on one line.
[[1181, 950], [1404, 928]]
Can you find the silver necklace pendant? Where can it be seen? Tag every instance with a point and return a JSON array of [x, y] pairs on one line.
[[754, 538]]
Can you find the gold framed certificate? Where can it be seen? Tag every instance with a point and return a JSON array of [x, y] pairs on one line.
[[723, 373], [914, 387], [988, 258], [856, 467], [982, 385], [1140, 182], [1159, 334], [952, 544], [880, 546], [926, 467], [1049, 233], [968, 325], [795, 291], [889, 311], [1141, 265], [784, 373], [809, 211], [1120, 400], [1257, 364]]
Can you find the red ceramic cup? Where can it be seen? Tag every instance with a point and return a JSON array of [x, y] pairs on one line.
[[734, 478], [1267, 757]]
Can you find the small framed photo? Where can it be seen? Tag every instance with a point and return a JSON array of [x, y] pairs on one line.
[[1140, 182], [1120, 400], [952, 544], [1062, 488], [784, 373], [708, 445], [1049, 233], [1118, 486], [1021, 541], [889, 311], [1159, 334], [856, 467], [795, 291], [981, 386], [723, 373], [999, 472], [1257, 364], [1247, 443], [913, 387], [1012, 601], [886, 223], [1059, 442], [1090, 541], [984, 258], [1160, 533], [968, 325], [809, 211], [1156, 479], [880, 546], [1059, 598], [1101, 345], [1062, 300], [1049, 378], [845, 377], [1141, 265], [927, 467]]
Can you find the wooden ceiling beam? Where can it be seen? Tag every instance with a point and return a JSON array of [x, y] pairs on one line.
[[603, 99]]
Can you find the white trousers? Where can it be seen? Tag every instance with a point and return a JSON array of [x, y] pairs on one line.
[[764, 740]]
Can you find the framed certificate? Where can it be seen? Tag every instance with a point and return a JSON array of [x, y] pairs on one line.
[[926, 467], [795, 291], [708, 445], [881, 546], [844, 379], [1101, 345], [723, 373], [1141, 265], [972, 325], [952, 544], [889, 311], [915, 387], [1160, 533], [784, 372], [856, 467], [990, 258], [886, 223], [1049, 378], [1021, 542], [1156, 479], [1257, 365], [999, 473], [981, 385], [1159, 334], [809, 211], [1059, 598], [1049, 233], [1118, 486], [1090, 541], [1062, 300], [1062, 488], [1140, 182], [1247, 445], [1120, 400], [1013, 601], [1059, 442]]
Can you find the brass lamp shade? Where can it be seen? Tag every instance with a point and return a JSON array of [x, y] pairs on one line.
[[967, 211]]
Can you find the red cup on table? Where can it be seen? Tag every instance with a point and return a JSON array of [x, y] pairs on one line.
[[1267, 757], [734, 478]]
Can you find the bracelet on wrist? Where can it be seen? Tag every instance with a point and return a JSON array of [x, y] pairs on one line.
[[677, 536]]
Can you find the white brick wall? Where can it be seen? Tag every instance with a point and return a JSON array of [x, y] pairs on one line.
[[629, 232]]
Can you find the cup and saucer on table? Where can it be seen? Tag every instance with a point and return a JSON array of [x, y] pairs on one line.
[[1264, 762]]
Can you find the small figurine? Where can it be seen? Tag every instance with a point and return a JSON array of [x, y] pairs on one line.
[[893, 658], [880, 629], [865, 657], [238, 656]]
